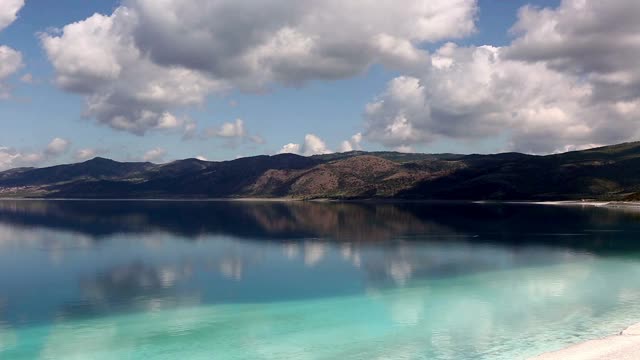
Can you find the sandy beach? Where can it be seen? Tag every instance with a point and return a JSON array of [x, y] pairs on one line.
[[624, 346]]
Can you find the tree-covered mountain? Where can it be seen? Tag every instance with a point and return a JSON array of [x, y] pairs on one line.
[[607, 173]]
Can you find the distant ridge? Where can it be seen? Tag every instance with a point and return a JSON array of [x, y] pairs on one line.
[[604, 173]]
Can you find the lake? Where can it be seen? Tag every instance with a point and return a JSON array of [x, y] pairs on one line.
[[307, 280]]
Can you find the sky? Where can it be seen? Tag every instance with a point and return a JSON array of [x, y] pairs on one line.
[[159, 80]]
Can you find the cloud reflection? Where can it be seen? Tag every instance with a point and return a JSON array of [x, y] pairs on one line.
[[364, 223]]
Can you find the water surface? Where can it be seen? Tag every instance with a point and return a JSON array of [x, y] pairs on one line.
[[242, 280]]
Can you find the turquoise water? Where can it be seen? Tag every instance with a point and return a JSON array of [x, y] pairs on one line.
[[218, 280]]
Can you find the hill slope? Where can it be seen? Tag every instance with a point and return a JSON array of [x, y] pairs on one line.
[[611, 173]]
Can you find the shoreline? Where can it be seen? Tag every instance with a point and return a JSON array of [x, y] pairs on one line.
[[590, 203], [155, 199], [606, 204], [623, 346], [594, 203]]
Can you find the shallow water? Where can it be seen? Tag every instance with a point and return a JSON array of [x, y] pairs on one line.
[[241, 280]]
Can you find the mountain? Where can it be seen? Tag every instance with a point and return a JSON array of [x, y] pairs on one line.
[[98, 168], [606, 173]]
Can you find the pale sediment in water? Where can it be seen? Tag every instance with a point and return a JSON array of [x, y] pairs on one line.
[[624, 346], [586, 203]]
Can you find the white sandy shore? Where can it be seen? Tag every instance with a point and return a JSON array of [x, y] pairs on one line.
[[630, 205], [609, 204], [624, 346]]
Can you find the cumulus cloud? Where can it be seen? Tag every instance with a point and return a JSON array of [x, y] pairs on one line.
[[87, 153], [233, 129], [9, 12], [473, 93], [599, 40], [569, 79], [98, 58], [12, 158], [10, 63], [352, 144], [313, 145], [254, 43], [57, 146], [234, 132], [10, 59], [290, 148], [141, 62], [154, 155]]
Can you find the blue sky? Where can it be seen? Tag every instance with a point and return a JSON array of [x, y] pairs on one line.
[[331, 107]]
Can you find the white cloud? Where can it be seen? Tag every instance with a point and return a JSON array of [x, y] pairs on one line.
[[290, 148], [569, 80], [154, 155], [86, 154], [233, 129], [10, 59], [400, 53], [352, 144], [391, 117], [234, 132], [599, 40], [57, 146], [141, 62], [10, 63], [202, 158], [168, 121], [12, 158], [9, 12], [346, 146], [98, 58], [290, 41], [481, 94], [313, 145]]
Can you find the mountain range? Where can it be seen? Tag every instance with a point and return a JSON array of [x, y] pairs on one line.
[[604, 173]]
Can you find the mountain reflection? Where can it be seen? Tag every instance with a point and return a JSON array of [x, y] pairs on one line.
[[94, 258], [595, 229], [351, 222]]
